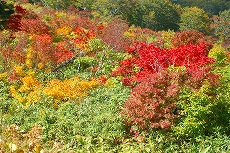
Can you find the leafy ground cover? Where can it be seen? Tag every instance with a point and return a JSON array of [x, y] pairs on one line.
[[77, 82]]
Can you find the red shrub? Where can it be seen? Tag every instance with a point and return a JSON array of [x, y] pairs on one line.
[[43, 49], [12, 55], [190, 56], [192, 37], [34, 26], [20, 10], [152, 104], [148, 59], [62, 53], [14, 22], [113, 34]]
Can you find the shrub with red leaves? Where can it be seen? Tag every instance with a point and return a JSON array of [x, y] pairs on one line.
[[62, 53], [113, 34], [148, 59], [156, 88], [192, 37], [82, 37], [152, 104], [11, 55], [190, 56], [34, 26], [14, 53], [14, 22], [44, 50]]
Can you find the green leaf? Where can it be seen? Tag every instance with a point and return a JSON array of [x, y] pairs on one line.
[[205, 150]]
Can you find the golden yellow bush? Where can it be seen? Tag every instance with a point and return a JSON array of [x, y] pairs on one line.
[[69, 88], [29, 54], [28, 91], [19, 70], [3, 76], [64, 30]]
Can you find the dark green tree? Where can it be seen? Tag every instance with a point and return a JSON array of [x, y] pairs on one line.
[[153, 14], [159, 15], [5, 11], [213, 7]]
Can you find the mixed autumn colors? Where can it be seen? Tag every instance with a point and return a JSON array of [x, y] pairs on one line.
[[77, 80]]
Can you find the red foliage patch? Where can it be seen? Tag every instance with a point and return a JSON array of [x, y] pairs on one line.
[[34, 26], [113, 34], [14, 22], [152, 104], [62, 53], [148, 59], [192, 37]]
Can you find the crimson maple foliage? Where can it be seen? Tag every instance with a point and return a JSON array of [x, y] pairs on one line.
[[62, 53], [14, 22], [155, 88], [148, 59]]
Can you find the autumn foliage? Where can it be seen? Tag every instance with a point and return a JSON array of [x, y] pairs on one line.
[[148, 59], [86, 81], [157, 77]]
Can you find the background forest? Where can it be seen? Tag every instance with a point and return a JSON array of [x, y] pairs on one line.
[[114, 76]]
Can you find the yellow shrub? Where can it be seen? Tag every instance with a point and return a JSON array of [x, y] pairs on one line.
[[29, 89], [3, 76], [64, 30], [15, 94], [29, 83], [69, 88], [218, 53], [29, 56], [167, 36], [128, 34], [19, 70]]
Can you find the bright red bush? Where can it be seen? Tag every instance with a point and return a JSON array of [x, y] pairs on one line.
[[82, 37], [62, 52], [190, 56], [148, 59]]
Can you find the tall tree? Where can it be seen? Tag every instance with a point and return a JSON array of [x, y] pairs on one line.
[[194, 18], [153, 14], [221, 25], [213, 7], [159, 14]]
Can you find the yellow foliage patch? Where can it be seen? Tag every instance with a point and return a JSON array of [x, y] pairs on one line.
[[69, 88]]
